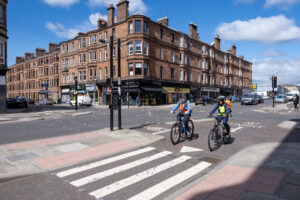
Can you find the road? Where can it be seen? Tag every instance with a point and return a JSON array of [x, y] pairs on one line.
[[155, 171]]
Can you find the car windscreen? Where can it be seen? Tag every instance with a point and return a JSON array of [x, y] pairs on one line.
[[248, 95]]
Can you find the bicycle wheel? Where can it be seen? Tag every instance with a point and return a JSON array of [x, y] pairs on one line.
[[226, 136], [191, 129], [214, 139], [175, 134]]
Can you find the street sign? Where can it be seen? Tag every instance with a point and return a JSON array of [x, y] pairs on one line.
[[254, 86]]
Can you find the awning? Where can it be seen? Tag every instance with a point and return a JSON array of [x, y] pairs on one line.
[[150, 89]]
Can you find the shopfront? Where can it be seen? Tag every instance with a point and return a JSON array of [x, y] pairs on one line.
[[65, 95], [172, 94], [92, 91], [210, 92]]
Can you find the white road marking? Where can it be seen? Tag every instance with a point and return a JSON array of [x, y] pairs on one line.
[[156, 133], [157, 189], [156, 128], [290, 111], [102, 192], [235, 129], [186, 149], [98, 176], [103, 162]]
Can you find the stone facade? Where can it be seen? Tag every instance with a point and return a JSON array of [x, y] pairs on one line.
[[157, 62], [3, 54]]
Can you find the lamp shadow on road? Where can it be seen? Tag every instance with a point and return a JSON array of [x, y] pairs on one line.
[[261, 171]]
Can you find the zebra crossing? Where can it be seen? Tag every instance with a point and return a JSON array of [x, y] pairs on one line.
[[144, 173]]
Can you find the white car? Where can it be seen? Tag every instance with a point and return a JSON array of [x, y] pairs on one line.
[[281, 99], [82, 100], [290, 97]]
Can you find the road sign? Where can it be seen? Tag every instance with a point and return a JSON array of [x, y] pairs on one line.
[[254, 86]]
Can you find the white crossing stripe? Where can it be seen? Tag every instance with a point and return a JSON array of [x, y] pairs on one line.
[[103, 162], [158, 189], [137, 177], [235, 129], [98, 176], [156, 133], [186, 149]]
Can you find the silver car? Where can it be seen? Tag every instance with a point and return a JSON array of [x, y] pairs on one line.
[[280, 99]]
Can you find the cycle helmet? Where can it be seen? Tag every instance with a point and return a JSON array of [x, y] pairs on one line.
[[221, 98]]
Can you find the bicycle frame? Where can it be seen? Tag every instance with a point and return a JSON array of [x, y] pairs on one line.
[[180, 122]]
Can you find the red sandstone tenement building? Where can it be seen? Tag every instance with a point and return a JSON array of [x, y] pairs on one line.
[[3, 54], [157, 63]]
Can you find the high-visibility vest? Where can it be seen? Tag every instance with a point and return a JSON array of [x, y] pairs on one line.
[[222, 110], [182, 105]]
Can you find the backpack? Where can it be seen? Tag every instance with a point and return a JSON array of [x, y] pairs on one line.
[[228, 104]]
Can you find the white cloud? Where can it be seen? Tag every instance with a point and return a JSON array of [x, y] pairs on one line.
[[284, 4], [61, 3], [134, 5], [60, 30], [275, 29], [93, 18], [286, 70], [273, 53]]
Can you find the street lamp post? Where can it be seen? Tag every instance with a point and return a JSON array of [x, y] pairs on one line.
[[76, 99]]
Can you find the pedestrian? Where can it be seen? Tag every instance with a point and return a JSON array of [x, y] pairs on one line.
[[296, 100]]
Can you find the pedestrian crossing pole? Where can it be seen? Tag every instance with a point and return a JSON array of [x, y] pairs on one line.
[[119, 86], [111, 85]]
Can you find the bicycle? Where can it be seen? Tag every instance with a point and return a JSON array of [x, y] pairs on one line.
[[217, 135], [178, 130]]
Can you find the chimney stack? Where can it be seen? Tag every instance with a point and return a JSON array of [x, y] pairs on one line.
[[193, 31], [217, 43], [122, 10], [110, 15], [53, 47], [19, 59], [102, 24], [28, 55], [233, 50], [39, 52], [164, 21]]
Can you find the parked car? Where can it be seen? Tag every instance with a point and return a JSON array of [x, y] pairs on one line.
[[235, 99], [260, 99], [290, 97], [82, 100], [281, 99], [46, 101], [249, 98], [204, 100], [11, 103], [21, 103]]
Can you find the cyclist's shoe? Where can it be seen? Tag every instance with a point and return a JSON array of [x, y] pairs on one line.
[[189, 135]]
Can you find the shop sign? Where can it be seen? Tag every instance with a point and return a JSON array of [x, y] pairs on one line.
[[2, 80], [79, 87], [176, 90], [91, 88], [208, 89], [66, 90]]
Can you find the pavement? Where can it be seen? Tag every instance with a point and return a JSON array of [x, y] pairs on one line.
[[42, 115], [269, 170], [44, 155]]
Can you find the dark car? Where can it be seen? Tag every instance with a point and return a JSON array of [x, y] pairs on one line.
[[204, 100], [11, 103], [260, 99], [21, 103]]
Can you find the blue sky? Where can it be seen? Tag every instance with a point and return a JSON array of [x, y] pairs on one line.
[[266, 32]]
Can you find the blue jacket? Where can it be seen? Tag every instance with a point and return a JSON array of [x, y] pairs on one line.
[[186, 107], [227, 110]]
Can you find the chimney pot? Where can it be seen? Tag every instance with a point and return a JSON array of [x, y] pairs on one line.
[[164, 21]]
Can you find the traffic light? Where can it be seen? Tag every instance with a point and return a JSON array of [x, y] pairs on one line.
[[274, 81]]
